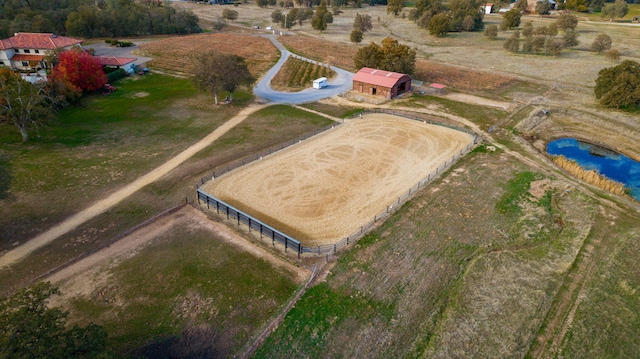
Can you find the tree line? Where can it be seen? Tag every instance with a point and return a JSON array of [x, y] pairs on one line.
[[95, 18]]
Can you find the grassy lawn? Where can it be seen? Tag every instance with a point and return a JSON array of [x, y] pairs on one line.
[[97, 145], [189, 279]]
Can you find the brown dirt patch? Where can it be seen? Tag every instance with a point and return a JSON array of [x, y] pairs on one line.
[[460, 78], [323, 190]]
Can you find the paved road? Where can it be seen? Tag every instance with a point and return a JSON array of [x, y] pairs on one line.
[[340, 84]]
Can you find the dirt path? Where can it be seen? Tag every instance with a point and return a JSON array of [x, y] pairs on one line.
[[84, 276], [105, 204]]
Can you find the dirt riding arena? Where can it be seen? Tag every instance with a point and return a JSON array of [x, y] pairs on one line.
[[323, 189]]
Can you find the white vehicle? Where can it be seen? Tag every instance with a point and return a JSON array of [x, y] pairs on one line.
[[269, 28], [320, 83]]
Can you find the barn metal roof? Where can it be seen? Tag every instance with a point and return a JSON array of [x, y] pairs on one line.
[[378, 77]]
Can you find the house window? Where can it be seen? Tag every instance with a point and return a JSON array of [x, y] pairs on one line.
[[25, 63], [27, 51], [37, 51]]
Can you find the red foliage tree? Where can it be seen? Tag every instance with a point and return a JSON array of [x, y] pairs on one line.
[[80, 69]]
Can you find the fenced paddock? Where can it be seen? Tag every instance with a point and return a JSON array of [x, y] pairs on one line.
[[328, 191]]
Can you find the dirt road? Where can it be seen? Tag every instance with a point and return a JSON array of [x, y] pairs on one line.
[[105, 204]]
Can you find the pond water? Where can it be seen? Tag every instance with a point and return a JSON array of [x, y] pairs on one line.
[[607, 162]]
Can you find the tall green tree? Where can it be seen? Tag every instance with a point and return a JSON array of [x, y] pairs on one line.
[[619, 86], [391, 56], [23, 104], [459, 10], [510, 19], [29, 328], [321, 18], [439, 24], [356, 36]]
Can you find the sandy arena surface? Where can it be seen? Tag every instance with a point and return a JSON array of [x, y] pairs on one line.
[[322, 190]]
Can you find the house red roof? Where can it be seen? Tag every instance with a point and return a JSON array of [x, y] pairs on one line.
[[115, 61], [437, 86], [44, 41], [377, 77], [22, 57]]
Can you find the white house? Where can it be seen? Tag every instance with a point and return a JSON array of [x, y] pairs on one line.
[[26, 51]]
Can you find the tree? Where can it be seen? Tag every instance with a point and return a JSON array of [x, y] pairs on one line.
[[234, 73], [522, 5], [613, 54], [368, 56], [553, 46], [29, 328], [538, 42], [218, 24], [576, 5], [619, 86], [362, 23], [468, 23], [23, 104], [321, 18], [80, 69], [439, 24], [276, 16], [395, 6], [229, 14], [512, 44], [510, 19], [460, 10], [491, 31], [397, 57], [527, 46], [567, 21], [543, 7], [601, 43], [570, 38], [213, 72], [616, 10], [391, 56], [527, 29], [356, 36]]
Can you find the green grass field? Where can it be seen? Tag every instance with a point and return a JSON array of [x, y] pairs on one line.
[[188, 278]]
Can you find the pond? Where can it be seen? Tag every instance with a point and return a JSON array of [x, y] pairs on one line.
[[609, 163]]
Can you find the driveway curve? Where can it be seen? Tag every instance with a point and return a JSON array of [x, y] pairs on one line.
[[342, 83]]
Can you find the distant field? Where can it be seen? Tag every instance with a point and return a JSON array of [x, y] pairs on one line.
[[175, 53]]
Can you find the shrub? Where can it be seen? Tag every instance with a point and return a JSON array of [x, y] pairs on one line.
[[116, 75], [491, 31], [613, 54], [601, 43]]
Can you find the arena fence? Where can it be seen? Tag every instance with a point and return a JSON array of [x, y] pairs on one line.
[[289, 242], [220, 170]]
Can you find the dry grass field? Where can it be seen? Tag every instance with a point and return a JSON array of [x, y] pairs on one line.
[[176, 53], [324, 189]]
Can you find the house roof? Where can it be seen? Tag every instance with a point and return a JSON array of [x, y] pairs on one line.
[[31, 40], [378, 77], [437, 86], [115, 61], [23, 57]]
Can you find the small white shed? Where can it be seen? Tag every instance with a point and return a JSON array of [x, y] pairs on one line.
[[320, 83]]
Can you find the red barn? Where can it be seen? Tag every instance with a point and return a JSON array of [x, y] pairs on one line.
[[381, 83]]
